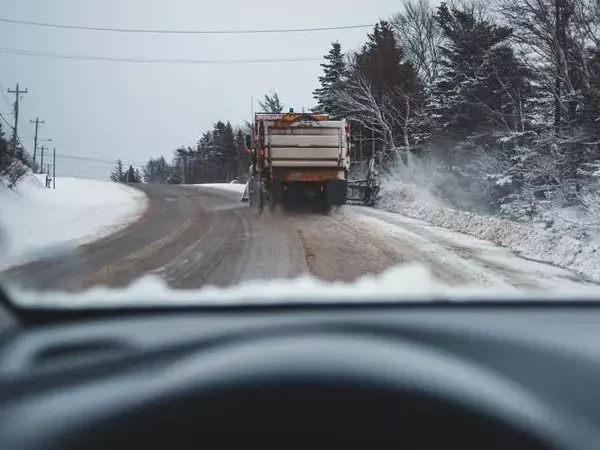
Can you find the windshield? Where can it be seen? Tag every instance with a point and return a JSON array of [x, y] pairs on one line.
[[249, 152]]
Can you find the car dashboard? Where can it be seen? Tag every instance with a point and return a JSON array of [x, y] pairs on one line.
[[418, 376]]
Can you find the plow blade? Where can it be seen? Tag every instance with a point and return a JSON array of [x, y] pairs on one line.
[[246, 195], [363, 192]]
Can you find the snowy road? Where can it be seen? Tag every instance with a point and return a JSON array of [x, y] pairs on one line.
[[194, 236]]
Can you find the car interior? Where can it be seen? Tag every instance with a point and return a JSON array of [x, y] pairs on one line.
[[404, 375]]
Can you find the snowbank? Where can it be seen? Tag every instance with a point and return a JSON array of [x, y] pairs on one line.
[[529, 240], [35, 220], [398, 284]]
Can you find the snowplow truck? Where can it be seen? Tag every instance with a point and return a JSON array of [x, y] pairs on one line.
[[298, 159]]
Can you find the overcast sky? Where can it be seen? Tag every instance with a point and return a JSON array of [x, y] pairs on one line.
[[110, 110]]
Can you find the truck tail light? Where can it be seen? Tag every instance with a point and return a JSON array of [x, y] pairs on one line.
[[262, 152]]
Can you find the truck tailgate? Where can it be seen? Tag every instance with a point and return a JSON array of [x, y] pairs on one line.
[[315, 146]]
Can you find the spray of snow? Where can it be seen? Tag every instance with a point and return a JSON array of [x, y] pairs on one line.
[[37, 220]]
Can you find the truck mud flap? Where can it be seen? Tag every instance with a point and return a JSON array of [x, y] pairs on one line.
[[325, 193], [335, 192]]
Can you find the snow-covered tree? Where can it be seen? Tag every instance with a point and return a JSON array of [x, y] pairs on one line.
[[381, 94], [118, 175], [12, 170]]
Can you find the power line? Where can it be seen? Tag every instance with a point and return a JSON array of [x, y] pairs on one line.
[[14, 51], [94, 160], [149, 31]]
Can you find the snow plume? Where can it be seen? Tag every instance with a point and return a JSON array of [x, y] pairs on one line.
[[461, 176], [480, 197], [563, 244]]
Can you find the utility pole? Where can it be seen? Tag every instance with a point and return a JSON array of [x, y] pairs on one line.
[[17, 92], [35, 139], [54, 168], [42, 148]]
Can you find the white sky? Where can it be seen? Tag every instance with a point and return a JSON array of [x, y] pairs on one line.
[[110, 110]]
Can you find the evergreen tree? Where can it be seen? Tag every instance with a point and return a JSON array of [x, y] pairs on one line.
[[381, 62], [219, 161], [230, 154], [137, 176], [383, 94], [130, 175], [183, 168], [242, 156], [118, 175], [271, 104], [334, 70], [218, 156], [205, 161], [482, 84]]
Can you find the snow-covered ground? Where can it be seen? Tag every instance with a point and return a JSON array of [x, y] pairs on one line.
[[460, 259], [528, 240], [394, 257], [454, 257], [35, 220]]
